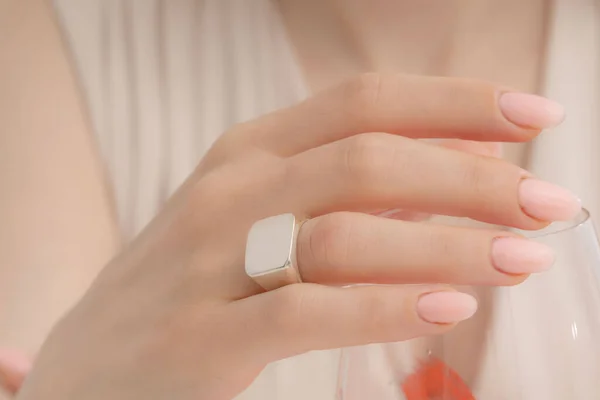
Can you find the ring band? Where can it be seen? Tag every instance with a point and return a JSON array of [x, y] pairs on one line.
[[271, 251]]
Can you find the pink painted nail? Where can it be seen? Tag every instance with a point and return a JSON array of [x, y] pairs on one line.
[[547, 202], [521, 256], [14, 366], [446, 307], [531, 111], [14, 360]]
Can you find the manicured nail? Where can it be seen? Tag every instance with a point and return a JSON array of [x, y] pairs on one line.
[[547, 202], [521, 256], [13, 369], [531, 111], [446, 307]]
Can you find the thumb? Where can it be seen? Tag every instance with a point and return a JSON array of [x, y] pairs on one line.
[[14, 367]]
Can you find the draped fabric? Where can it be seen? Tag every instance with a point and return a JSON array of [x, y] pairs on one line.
[[164, 78], [569, 155]]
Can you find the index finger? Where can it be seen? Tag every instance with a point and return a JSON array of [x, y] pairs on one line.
[[411, 106]]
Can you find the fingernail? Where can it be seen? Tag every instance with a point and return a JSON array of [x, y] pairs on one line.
[[13, 368], [547, 202], [446, 307], [531, 111], [521, 256], [14, 359]]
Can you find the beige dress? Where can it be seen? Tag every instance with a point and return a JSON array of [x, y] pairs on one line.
[[163, 79]]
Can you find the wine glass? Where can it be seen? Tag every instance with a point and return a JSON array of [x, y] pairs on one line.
[[537, 340]]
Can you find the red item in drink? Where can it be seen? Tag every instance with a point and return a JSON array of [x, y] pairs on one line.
[[436, 380]]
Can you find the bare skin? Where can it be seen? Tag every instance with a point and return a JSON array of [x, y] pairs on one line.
[[336, 39], [54, 197], [58, 227], [462, 38]]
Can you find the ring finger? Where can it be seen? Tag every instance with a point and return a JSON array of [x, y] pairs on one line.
[[344, 248]]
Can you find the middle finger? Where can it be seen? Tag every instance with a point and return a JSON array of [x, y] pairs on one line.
[[374, 171]]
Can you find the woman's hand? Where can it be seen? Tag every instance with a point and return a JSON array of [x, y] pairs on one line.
[[175, 316]]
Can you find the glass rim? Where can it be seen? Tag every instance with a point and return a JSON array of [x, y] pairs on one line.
[[556, 228]]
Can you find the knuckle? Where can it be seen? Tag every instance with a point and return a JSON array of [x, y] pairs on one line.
[[366, 88], [241, 181], [230, 145], [328, 242], [440, 244], [363, 94], [474, 177], [368, 159], [379, 317]]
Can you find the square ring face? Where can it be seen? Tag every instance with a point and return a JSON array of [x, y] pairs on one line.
[[270, 245]]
